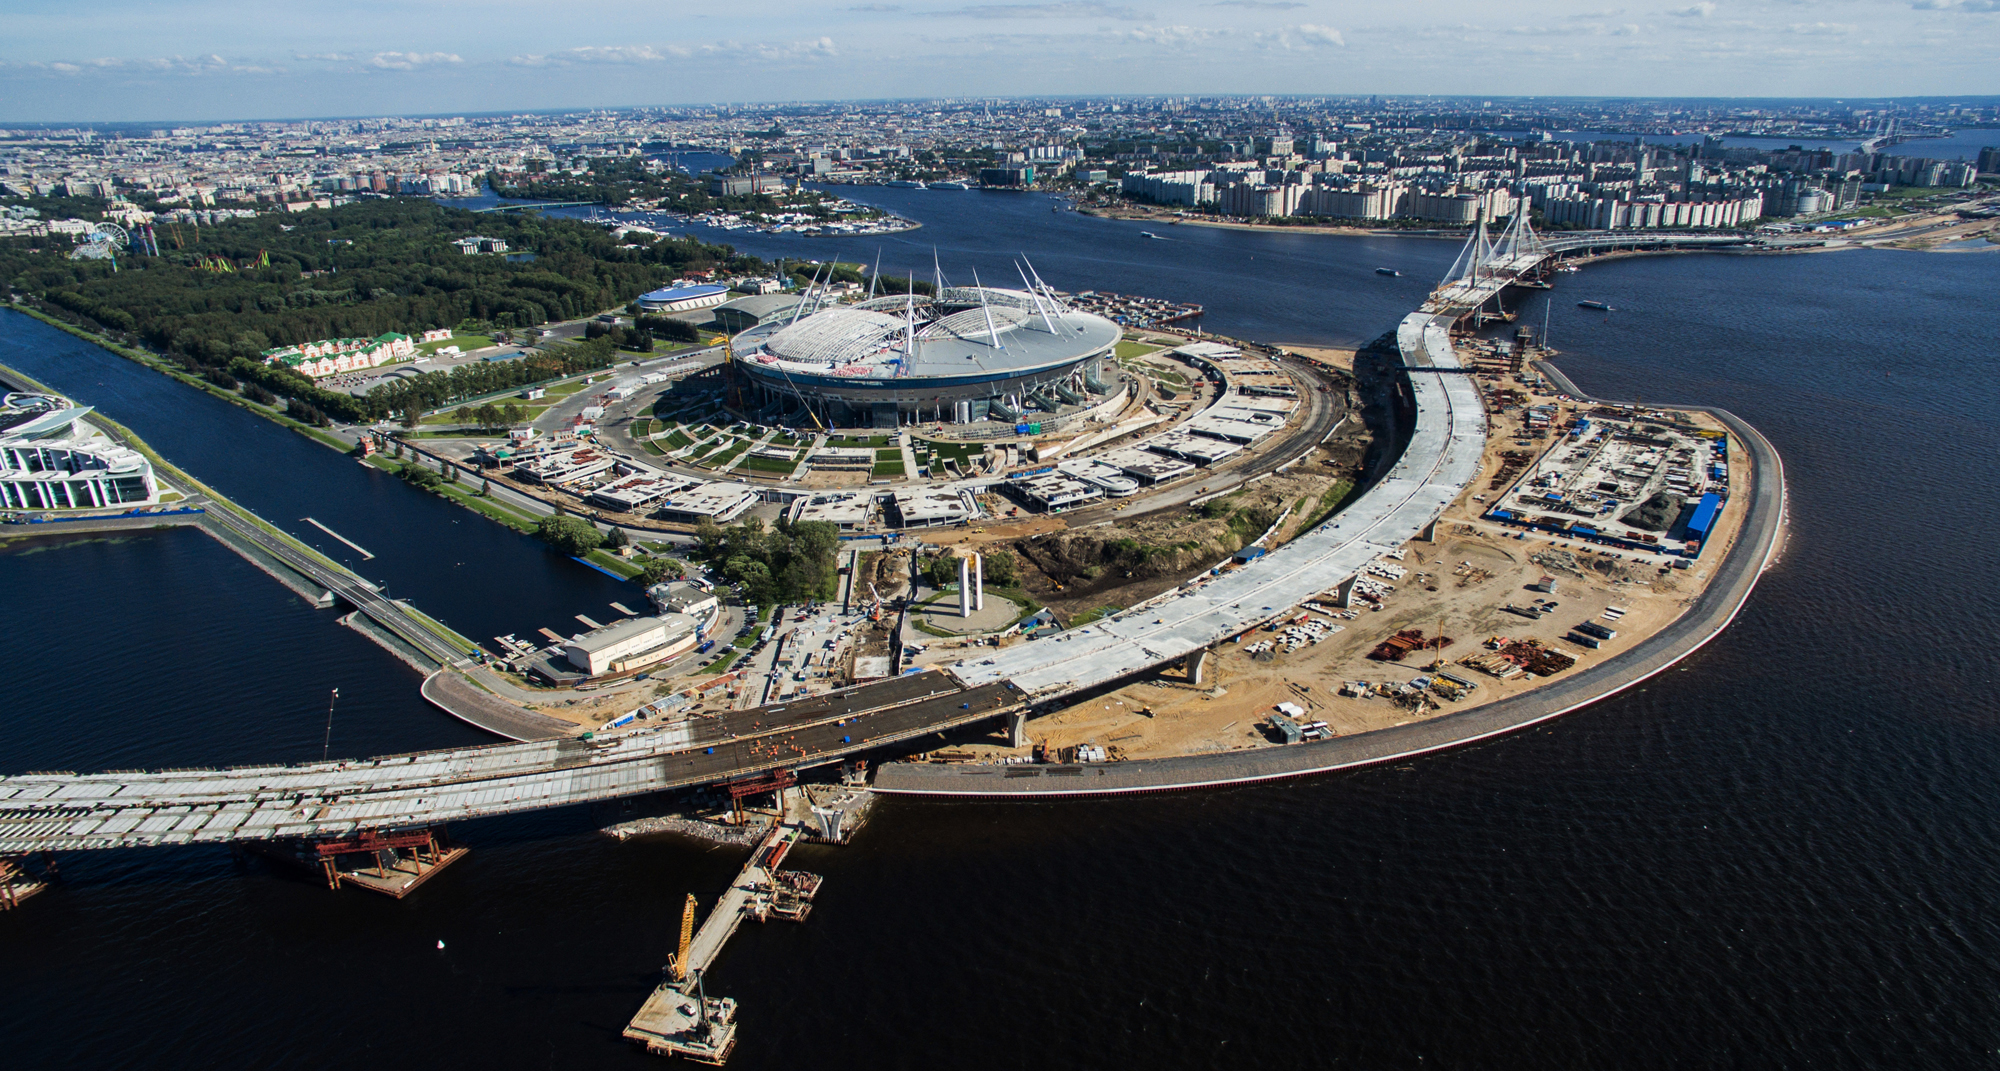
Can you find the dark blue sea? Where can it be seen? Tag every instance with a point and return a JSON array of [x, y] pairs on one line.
[[1785, 853]]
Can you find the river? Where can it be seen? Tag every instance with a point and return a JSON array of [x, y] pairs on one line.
[[1780, 854]]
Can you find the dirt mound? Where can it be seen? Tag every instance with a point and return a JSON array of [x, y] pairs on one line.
[[1655, 513]]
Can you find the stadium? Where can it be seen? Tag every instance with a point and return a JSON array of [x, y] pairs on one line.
[[968, 354]]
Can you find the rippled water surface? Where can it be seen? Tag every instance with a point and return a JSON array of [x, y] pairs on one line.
[[1782, 854]]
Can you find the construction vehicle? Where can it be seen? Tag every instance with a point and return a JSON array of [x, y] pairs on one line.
[[876, 613], [677, 966]]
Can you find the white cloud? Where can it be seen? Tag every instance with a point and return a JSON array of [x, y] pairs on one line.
[[1319, 35], [1072, 9], [410, 61], [1304, 37], [815, 48], [616, 54], [173, 65], [1170, 36], [1982, 6], [1697, 11]]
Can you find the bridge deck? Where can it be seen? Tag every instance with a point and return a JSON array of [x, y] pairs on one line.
[[46, 812]]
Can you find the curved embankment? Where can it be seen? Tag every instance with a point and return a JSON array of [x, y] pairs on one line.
[[1735, 577], [449, 691]]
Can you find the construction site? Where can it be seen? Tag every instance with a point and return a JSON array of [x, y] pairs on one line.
[[1486, 609]]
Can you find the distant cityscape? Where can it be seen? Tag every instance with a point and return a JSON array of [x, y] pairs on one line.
[[1377, 161]]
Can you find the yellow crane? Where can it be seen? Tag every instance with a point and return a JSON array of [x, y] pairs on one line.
[[677, 967]]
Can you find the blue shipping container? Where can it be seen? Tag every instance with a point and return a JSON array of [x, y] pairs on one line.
[[1704, 516]]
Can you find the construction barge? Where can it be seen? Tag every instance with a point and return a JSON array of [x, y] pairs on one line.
[[679, 1018]]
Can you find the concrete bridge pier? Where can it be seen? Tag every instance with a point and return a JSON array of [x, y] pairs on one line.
[[1343, 596], [1429, 532], [1017, 728], [1196, 665]]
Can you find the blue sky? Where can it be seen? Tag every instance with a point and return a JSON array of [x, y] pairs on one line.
[[223, 59]]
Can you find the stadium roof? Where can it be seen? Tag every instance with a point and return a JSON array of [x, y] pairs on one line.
[[1007, 331]]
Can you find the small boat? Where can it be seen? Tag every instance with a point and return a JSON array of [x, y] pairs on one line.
[[1598, 305], [1390, 272], [1155, 237]]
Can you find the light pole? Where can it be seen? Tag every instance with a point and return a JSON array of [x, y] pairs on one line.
[[326, 745]]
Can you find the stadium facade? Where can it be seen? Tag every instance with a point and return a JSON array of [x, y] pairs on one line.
[[969, 353]]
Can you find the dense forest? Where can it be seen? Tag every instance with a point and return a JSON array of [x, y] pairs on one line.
[[359, 270]]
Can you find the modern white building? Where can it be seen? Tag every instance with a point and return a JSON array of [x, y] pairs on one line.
[[631, 644], [51, 459], [684, 297]]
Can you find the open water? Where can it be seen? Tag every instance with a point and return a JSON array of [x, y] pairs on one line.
[[1783, 854]]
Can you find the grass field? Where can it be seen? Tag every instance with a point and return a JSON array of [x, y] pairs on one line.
[[952, 451], [466, 343], [769, 464], [726, 456], [676, 439], [855, 442], [1128, 349], [892, 467]]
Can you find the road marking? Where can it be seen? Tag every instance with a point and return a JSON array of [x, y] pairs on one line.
[[358, 547]]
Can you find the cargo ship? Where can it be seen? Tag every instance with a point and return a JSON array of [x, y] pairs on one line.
[[1598, 305], [1391, 272]]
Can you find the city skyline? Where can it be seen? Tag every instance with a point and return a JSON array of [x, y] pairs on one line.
[[217, 61]]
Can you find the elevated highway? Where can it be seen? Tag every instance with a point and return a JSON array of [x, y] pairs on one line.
[[68, 811]]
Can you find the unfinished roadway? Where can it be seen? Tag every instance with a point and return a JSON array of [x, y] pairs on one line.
[[68, 811]]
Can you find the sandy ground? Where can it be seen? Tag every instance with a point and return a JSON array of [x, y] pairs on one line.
[[1342, 359], [1168, 716]]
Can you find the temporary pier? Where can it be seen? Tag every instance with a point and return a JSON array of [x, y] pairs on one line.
[[679, 1018]]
